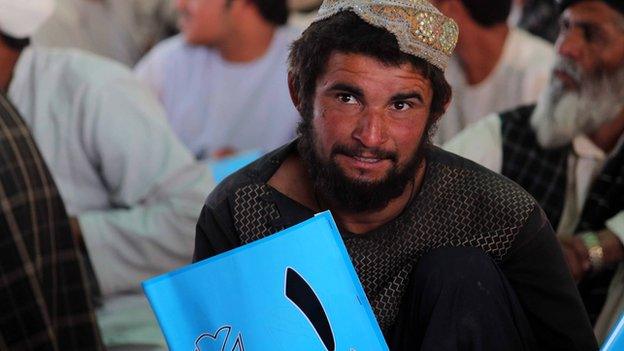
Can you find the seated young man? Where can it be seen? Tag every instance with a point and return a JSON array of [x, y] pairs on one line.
[[450, 255], [223, 80]]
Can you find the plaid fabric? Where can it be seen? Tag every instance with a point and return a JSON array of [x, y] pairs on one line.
[[43, 300], [541, 172]]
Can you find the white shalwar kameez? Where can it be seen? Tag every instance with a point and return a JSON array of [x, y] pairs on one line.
[[135, 189], [214, 104], [520, 75]]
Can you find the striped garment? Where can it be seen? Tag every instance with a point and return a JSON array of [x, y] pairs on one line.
[[44, 303]]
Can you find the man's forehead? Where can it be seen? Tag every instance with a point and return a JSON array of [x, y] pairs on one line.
[[363, 64], [594, 17], [593, 11], [364, 75], [617, 5]]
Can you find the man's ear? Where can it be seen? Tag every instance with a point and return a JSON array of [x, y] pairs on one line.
[[293, 88]]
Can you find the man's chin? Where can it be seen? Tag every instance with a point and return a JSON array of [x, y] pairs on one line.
[[192, 39], [366, 181], [554, 120]]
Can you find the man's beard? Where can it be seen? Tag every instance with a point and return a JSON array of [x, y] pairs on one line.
[[562, 114], [353, 195]]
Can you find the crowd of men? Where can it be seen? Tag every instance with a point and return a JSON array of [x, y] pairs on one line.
[[475, 171]]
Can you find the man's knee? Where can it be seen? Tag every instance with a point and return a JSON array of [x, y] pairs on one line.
[[457, 297]]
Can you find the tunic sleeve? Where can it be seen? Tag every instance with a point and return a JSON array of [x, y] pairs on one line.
[[155, 187], [215, 233]]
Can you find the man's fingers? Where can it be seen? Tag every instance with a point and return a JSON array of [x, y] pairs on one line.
[[573, 262]]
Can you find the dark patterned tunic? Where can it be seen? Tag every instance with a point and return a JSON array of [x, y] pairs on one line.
[[459, 204]]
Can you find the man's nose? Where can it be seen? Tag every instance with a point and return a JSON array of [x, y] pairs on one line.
[[371, 130], [570, 44]]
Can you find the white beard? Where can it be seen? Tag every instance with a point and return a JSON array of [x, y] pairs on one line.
[[562, 114]]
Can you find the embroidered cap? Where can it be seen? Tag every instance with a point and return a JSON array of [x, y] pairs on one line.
[[420, 29]]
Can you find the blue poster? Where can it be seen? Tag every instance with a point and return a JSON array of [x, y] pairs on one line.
[[294, 290]]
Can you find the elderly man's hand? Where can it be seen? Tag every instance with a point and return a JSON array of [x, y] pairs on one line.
[[611, 246], [576, 255]]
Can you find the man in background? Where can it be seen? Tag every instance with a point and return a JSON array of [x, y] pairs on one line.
[[223, 80], [132, 189], [303, 12], [123, 30], [567, 151], [495, 67]]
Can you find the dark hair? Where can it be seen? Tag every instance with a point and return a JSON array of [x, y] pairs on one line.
[[488, 12], [274, 11], [347, 33], [14, 43]]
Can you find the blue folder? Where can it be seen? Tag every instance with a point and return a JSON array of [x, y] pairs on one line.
[[294, 290], [615, 340], [228, 165]]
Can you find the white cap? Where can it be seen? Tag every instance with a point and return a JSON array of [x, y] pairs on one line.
[[21, 18]]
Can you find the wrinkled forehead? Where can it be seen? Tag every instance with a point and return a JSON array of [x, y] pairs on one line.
[[364, 65], [594, 12], [602, 27], [373, 80], [341, 64]]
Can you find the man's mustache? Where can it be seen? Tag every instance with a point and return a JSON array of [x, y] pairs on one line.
[[361, 151], [570, 68]]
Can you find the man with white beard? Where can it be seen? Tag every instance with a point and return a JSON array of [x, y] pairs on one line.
[[567, 151]]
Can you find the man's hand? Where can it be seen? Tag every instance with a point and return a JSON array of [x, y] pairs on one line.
[[576, 255], [576, 252], [611, 246]]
